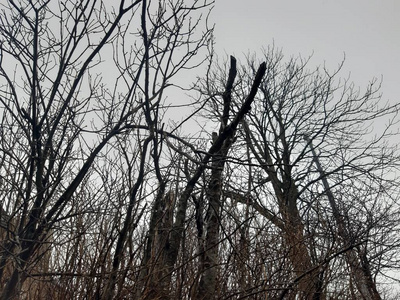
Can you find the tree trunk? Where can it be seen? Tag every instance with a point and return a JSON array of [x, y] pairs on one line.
[[286, 193], [360, 272]]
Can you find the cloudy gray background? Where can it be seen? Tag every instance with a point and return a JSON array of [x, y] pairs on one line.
[[367, 32]]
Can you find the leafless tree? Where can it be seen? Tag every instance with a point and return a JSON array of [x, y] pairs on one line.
[[310, 189], [65, 109]]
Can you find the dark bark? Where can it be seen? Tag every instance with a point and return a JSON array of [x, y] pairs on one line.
[[208, 270]]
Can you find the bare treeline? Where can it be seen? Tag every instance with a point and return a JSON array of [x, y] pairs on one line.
[[285, 190]]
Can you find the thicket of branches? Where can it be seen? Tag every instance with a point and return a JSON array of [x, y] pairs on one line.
[[287, 189]]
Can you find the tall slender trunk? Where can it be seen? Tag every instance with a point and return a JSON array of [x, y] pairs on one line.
[[360, 271], [209, 258]]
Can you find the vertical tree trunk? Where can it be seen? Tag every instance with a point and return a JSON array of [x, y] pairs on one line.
[[209, 261], [209, 258], [286, 193], [308, 286], [360, 272]]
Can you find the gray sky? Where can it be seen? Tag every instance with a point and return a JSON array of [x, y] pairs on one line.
[[366, 31]]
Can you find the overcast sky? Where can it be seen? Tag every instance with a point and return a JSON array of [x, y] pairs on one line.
[[366, 31]]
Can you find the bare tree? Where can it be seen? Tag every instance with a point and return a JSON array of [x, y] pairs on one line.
[[291, 192], [59, 116], [360, 269]]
